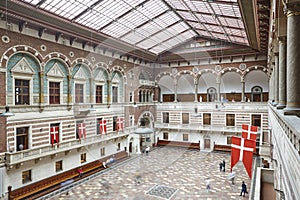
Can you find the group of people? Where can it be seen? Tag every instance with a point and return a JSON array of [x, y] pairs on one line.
[[222, 166], [109, 161]]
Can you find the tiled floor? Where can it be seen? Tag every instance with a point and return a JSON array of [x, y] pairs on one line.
[[166, 173]]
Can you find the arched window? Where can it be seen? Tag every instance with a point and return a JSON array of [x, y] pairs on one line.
[[211, 94], [256, 94]]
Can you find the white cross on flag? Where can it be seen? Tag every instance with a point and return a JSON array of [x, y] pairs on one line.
[[103, 126], [81, 130], [249, 132], [242, 150], [120, 125], [54, 134]]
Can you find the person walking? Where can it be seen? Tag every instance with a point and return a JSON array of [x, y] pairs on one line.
[[147, 150], [80, 172], [223, 165], [207, 182], [244, 189]]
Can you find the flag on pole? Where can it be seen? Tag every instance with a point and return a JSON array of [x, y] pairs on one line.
[[250, 132], [242, 150], [103, 126], [81, 130], [120, 125], [54, 133]]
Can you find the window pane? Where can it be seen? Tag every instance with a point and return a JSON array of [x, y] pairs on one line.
[[54, 93]]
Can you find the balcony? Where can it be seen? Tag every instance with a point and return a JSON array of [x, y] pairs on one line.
[[17, 158]]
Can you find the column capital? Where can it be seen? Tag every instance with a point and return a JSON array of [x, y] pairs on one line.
[[292, 9], [282, 40]]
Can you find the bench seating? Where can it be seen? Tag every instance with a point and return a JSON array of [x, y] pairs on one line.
[[220, 147], [50, 184], [189, 145]]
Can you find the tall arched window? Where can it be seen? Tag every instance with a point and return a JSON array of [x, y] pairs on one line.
[[256, 94], [211, 94]]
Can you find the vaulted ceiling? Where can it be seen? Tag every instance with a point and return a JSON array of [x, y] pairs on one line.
[[157, 30]]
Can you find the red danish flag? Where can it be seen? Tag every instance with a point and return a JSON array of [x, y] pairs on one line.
[[81, 130], [54, 135], [120, 124], [103, 126], [242, 150], [249, 132]]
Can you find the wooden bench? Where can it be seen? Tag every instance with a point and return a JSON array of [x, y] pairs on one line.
[[52, 183], [189, 145], [220, 147]]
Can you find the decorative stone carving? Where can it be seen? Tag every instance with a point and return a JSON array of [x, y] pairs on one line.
[[55, 71], [23, 67]]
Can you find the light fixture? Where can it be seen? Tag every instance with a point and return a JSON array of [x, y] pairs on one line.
[[7, 113]]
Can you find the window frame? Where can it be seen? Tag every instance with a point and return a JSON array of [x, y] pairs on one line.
[[26, 176], [229, 119], [58, 166], [29, 90], [183, 120], [59, 94], [83, 91], [204, 118], [115, 94], [26, 140], [166, 119], [102, 93], [83, 158], [185, 137]]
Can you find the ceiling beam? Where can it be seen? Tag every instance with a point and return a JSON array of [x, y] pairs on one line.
[[123, 15], [86, 10]]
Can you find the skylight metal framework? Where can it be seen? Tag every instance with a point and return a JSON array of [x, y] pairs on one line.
[[154, 25]]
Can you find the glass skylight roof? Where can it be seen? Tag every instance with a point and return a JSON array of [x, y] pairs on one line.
[[154, 25]]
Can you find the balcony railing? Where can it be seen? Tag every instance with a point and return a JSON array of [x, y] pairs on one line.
[[37, 153], [199, 127]]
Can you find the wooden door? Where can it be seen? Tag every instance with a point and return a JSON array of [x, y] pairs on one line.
[[206, 143]]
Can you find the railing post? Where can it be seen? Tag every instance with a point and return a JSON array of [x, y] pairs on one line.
[[9, 192]]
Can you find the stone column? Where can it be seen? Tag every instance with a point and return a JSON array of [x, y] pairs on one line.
[[271, 91], [218, 87], [277, 77], [175, 90], [196, 90], [69, 89], [293, 59], [42, 100], [92, 100], [282, 73], [243, 89], [156, 94], [108, 98]]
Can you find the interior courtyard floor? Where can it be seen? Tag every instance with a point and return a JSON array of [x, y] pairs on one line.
[[166, 173]]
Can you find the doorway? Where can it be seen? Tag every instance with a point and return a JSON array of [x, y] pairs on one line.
[[206, 143], [130, 147]]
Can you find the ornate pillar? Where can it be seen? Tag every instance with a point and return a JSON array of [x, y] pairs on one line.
[[92, 100], [276, 79], [282, 73], [108, 93], [271, 89], [243, 89], [218, 87], [69, 89], [156, 94], [196, 90], [175, 90], [293, 59], [41, 97]]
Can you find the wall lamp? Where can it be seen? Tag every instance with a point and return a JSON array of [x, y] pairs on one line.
[[7, 113]]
